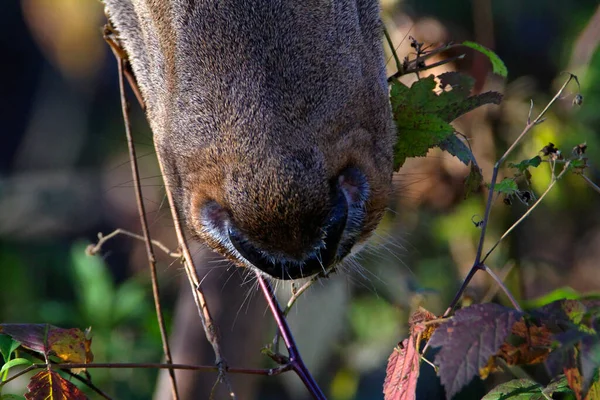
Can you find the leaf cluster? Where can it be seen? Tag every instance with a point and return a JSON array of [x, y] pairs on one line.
[[487, 338]]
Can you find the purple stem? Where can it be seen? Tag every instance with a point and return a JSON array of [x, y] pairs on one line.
[[294, 355]]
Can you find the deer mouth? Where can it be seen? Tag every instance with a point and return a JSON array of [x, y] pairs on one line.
[[340, 231]]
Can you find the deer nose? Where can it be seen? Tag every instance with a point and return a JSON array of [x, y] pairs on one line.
[[340, 230], [319, 259]]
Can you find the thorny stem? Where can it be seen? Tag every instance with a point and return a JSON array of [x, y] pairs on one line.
[[146, 231], [93, 249], [477, 265], [294, 355]]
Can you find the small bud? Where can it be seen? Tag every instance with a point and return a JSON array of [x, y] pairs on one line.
[[578, 99]]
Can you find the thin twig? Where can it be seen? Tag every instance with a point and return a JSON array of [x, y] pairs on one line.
[[416, 69], [494, 289], [295, 296], [294, 355], [393, 50], [93, 249], [477, 265], [592, 184], [146, 231], [210, 329], [503, 287], [190, 268], [189, 367], [529, 211]]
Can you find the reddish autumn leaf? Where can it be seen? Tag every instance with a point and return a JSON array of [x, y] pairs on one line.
[[402, 371], [468, 341], [70, 345], [418, 323], [49, 385], [534, 346]]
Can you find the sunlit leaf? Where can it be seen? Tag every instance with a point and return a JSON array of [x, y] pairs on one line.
[[506, 186], [402, 371], [49, 385], [497, 64], [15, 362], [423, 116], [70, 345]]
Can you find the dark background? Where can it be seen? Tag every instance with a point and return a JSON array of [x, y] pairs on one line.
[[64, 177]]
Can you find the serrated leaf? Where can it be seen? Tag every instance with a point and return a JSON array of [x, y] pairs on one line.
[[507, 186], [70, 345], [402, 371], [523, 165], [420, 132], [453, 145], [49, 385], [454, 110], [517, 389], [530, 344], [497, 64], [7, 346], [567, 311], [423, 117], [465, 350], [15, 362]]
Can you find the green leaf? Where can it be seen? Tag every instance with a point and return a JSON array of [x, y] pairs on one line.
[[566, 293], [14, 362], [525, 164], [507, 186], [517, 389], [497, 64], [558, 385], [7, 346], [11, 397], [419, 134], [453, 145]]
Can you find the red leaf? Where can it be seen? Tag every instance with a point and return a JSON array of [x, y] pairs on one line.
[[49, 385], [402, 372]]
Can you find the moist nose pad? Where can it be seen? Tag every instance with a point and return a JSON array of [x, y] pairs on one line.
[[317, 260]]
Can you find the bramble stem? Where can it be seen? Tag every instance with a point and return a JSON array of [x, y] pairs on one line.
[[294, 355]]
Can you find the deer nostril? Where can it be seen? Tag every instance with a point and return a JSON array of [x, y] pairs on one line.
[[354, 185], [214, 218], [285, 268]]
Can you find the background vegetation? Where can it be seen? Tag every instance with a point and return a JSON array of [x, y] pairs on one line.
[[64, 177]]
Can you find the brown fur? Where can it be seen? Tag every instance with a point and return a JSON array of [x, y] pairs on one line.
[[259, 105]]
